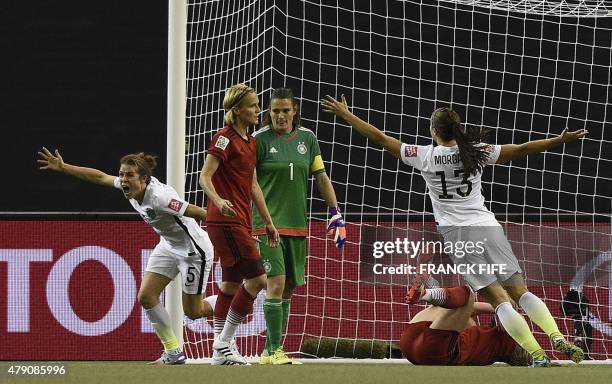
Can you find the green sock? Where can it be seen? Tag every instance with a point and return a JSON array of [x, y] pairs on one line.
[[273, 312]]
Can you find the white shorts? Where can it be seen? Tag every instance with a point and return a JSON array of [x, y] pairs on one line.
[[193, 260], [497, 252]]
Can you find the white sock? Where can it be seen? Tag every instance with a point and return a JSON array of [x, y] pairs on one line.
[[516, 326], [538, 312], [232, 322], [435, 296]]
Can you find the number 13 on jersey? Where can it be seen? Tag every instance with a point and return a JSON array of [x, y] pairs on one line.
[[463, 193]]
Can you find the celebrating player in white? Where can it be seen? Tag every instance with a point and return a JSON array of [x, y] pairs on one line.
[[183, 246], [452, 171]]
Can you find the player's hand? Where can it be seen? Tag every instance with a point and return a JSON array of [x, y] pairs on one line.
[[337, 107], [336, 228], [226, 208], [273, 237], [566, 137], [50, 161]]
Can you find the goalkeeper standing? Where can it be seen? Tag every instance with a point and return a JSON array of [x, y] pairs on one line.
[[287, 155]]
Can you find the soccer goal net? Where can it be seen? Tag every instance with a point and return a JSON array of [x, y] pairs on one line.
[[523, 69]]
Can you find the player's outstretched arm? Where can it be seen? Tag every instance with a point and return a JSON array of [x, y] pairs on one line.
[[54, 162], [340, 109], [195, 212], [514, 151], [208, 170]]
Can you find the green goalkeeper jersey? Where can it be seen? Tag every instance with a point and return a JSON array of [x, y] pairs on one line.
[[285, 162]]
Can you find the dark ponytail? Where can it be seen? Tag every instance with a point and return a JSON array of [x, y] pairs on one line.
[[447, 124]]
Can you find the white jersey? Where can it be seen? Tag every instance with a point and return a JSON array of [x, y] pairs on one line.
[[456, 201], [163, 209]]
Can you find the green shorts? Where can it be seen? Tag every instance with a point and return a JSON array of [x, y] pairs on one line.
[[287, 259]]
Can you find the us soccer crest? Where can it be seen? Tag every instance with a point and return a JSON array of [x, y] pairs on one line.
[[301, 148]]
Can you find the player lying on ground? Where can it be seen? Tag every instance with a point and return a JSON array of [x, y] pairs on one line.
[[445, 333], [287, 155], [229, 180], [183, 246], [452, 171]]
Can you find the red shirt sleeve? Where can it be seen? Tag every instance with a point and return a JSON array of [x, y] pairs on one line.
[[219, 146]]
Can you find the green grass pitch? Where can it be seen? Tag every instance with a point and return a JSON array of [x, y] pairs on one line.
[[139, 372]]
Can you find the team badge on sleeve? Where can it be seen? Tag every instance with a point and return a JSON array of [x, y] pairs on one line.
[[175, 205], [222, 142], [410, 151]]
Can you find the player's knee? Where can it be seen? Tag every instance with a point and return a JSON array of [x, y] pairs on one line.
[[516, 292], [147, 300], [256, 284], [229, 288], [275, 287], [193, 313]]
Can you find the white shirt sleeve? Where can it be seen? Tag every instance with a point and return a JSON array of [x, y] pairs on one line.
[[494, 151], [414, 155], [169, 203], [117, 183]]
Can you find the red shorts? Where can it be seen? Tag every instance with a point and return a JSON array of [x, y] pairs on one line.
[[425, 346], [237, 251], [481, 345], [477, 345]]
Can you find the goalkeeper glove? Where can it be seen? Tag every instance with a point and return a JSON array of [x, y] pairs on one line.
[[335, 227]]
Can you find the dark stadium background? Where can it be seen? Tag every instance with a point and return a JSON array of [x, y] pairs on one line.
[[90, 79]]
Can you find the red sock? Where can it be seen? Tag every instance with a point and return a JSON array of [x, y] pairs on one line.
[[454, 297], [242, 304], [222, 307], [457, 297]]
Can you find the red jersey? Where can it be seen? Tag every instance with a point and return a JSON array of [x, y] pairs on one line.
[[476, 345], [233, 179]]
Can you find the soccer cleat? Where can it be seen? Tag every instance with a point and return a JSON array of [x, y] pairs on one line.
[[170, 358], [265, 360], [572, 351], [280, 358], [416, 290], [541, 363], [225, 350]]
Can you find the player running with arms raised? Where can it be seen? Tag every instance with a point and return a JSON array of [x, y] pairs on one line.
[[229, 180], [183, 246], [287, 155], [452, 171]]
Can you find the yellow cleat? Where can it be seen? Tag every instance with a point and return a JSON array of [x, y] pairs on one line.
[[280, 358], [265, 360], [572, 351]]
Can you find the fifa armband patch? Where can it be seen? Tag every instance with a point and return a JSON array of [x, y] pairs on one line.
[[175, 205], [222, 142], [410, 151]]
